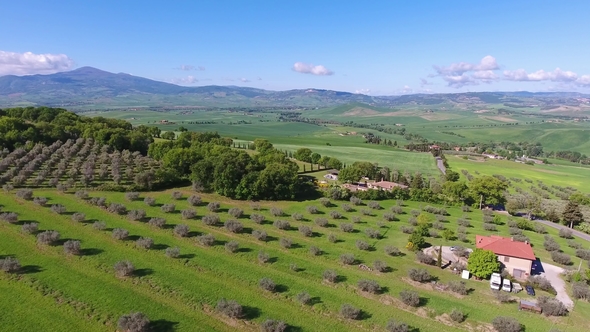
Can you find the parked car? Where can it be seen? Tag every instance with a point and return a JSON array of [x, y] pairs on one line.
[[496, 281], [530, 290], [506, 285], [453, 248]]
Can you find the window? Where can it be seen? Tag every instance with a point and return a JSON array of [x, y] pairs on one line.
[[506, 259]]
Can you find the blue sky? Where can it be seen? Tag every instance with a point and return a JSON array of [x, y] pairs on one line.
[[376, 47]]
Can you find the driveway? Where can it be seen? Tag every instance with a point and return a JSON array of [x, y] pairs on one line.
[[552, 273], [440, 164]]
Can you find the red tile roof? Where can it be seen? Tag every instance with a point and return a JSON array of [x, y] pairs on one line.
[[505, 246]]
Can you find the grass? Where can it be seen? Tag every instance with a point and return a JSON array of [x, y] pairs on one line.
[[179, 294]]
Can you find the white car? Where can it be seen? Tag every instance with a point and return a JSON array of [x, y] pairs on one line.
[[506, 285], [496, 281]]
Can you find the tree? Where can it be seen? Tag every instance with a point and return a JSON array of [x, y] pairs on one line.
[[134, 322], [482, 263], [572, 216], [169, 135], [451, 176], [303, 154], [489, 189]]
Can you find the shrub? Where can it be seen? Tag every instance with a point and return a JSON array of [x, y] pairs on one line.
[[322, 222], [257, 218], [463, 222], [574, 244], [99, 225], [458, 287], [132, 196], [9, 217], [306, 231], [389, 216], [566, 233], [235, 212], [466, 208], [457, 316], [276, 212], [232, 246], [210, 219], [136, 215], [394, 326], [420, 275], [550, 244], [415, 213], [72, 247], [282, 224], [583, 254], [551, 306], [230, 308], [356, 219], [10, 265], [366, 212], [514, 231], [362, 245], [346, 227], [461, 252], [168, 208], [541, 283], [325, 202], [304, 298], [149, 201], [347, 259], [120, 234], [41, 201], [271, 325], [413, 221], [374, 205], [561, 258], [173, 252], [503, 297], [349, 312], [58, 208], [397, 209], [176, 195], [98, 201], [267, 284], [134, 322], [188, 214], [234, 226], [581, 291], [540, 229], [335, 214], [181, 230], [263, 257], [355, 200], [144, 243], [410, 298], [407, 229], [330, 276], [259, 235], [433, 233], [438, 225], [461, 229], [315, 251], [425, 258], [312, 209], [462, 237], [124, 269], [285, 243], [30, 228], [392, 251], [506, 324], [489, 227], [206, 240], [213, 206], [521, 238], [157, 222], [194, 200], [372, 233], [332, 238], [297, 216], [117, 208], [380, 266], [26, 194], [370, 286], [48, 237]]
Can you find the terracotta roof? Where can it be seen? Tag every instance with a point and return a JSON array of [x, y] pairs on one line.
[[387, 185], [505, 246]]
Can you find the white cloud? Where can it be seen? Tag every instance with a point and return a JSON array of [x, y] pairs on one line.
[[460, 74], [185, 80], [363, 91], [245, 80], [28, 63], [190, 67], [557, 75], [307, 68], [487, 63]]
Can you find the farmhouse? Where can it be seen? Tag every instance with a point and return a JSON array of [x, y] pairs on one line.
[[516, 257], [385, 185], [332, 174]]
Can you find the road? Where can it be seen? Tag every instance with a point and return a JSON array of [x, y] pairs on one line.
[[441, 165], [576, 233], [552, 273]]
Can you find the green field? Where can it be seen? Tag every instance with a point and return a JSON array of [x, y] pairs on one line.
[[61, 292]]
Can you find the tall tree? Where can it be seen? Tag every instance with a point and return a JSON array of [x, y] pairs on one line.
[[482, 263], [488, 189], [572, 216]]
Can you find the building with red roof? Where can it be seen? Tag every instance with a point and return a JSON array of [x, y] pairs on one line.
[[515, 256]]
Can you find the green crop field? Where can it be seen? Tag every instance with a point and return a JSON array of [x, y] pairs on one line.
[[62, 292]]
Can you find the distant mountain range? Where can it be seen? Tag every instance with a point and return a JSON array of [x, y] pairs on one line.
[[91, 88]]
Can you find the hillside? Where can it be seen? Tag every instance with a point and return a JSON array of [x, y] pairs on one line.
[[91, 88]]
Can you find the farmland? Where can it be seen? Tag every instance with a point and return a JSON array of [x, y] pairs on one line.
[[180, 294]]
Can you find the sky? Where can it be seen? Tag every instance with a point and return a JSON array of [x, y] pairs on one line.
[[369, 47]]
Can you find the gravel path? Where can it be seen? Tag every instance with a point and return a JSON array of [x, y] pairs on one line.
[[552, 273], [440, 165]]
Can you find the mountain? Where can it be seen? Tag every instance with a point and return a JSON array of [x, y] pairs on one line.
[[91, 88]]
